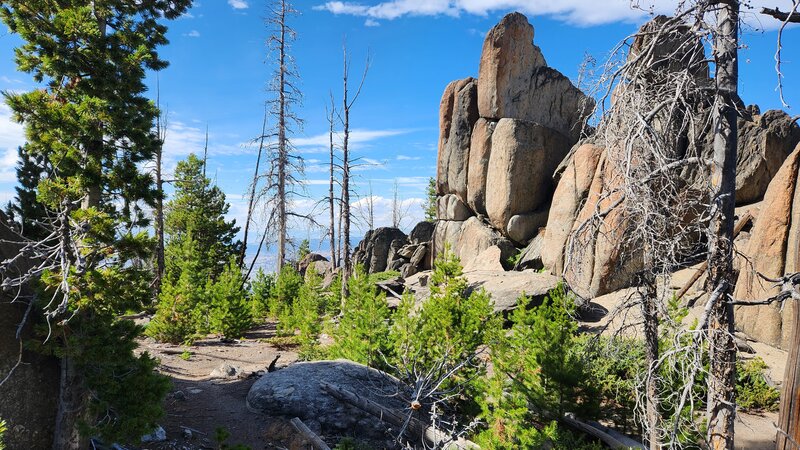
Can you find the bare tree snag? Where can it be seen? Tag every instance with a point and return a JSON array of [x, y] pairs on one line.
[[253, 186], [721, 406]]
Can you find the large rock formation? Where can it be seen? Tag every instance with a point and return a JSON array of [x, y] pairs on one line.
[[516, 83], [523, 158], [501, 138], [764, 143], [457, 116], [772, 250], [375, 250]]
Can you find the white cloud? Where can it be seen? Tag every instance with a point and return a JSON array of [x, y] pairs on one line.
[[410, 212], [408, 158], [371, 23], [238, 4], [357, 136], [193, 34], [12, 135], [579, 12]]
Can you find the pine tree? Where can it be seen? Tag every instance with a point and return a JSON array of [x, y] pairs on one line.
[[182, 306], [93, 123], [25, 210], [429, 207], [198, 208], [229, 313]]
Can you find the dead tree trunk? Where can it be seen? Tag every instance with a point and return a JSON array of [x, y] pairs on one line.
[[161, 130], [346, 263], [331, 198], [789, 419], [722, 348], [252, 199]]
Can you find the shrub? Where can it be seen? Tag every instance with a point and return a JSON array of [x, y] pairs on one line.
[[181, 304], [752, 389], [305, 315], [229, 313], [260, 289], [284, 291], [540, 374], [447, 330], [363, 331]]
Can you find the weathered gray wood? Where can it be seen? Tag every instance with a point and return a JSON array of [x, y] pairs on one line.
[[315, 440], [415, 428]]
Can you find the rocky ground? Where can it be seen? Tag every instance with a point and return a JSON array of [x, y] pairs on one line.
[[210, 384]]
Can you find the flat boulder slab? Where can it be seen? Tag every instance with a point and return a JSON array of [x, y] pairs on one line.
[[515, 81], [507, 287], [295, 391]]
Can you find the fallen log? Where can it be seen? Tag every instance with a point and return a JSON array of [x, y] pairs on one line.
[[414, 428], [312, 437], [599, 434]]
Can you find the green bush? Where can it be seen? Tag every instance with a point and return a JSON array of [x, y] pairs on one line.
[[363, 331], [284, 291], [540, 373], [752, 389], [260, 289], [447, 330], [229, 314], [305, 315], [182, 302]]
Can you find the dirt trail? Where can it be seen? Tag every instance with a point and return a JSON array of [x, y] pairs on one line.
[[202, 403]]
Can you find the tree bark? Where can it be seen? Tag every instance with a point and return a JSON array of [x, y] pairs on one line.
[[789, 418], [722, 348], [282, 150]]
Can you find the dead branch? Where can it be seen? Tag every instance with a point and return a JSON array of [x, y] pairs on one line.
[[315, 440]]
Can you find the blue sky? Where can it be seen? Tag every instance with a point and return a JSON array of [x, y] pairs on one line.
[[220, 67]]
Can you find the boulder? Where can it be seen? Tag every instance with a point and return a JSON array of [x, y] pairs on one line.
[[772, 250], [523, 158], [422, 232], [308, 260], [489, 259], [523, 227], [374, 251], [445, 126], [418, 259], [601, 259], [507, 287], [764, 143], [504, 287], [531, 256], [515, 82], [454, 146], [450, 207], [479, 151], [295, 392], [570, 194], [469, 239]]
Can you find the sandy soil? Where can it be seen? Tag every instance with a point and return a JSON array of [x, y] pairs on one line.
[[201, 403]]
